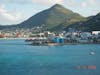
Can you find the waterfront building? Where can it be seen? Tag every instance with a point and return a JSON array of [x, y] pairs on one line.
[[85, 35], [96, 32]]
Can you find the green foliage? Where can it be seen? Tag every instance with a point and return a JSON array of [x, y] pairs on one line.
[[92, 24]]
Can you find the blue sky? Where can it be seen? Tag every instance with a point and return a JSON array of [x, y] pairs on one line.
[[16, 11]]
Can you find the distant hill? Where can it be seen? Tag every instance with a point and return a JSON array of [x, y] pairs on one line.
[[51, 17], [58, 18], [92, 24]]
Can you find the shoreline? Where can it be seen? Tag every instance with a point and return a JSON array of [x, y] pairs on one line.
[[12, 38], [51, 44], [55, 44]]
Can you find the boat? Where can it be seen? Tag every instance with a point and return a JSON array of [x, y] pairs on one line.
[[92, 53]]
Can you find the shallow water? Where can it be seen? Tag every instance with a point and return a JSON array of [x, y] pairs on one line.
[[19, 58]]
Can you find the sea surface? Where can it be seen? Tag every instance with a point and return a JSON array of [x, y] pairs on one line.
[[17, 57]]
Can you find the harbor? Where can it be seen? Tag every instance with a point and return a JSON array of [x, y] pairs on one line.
[[50, 38]]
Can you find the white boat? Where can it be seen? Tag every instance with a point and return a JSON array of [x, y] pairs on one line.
[[92, 53]]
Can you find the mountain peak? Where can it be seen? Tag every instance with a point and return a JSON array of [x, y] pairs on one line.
[[52, 18], [57, 6]]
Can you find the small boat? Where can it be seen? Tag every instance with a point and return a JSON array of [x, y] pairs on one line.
[[28, 40], [92, 53]]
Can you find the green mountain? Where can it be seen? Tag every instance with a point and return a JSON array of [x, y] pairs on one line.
[[51, 18], [92, 24], [59, 18]]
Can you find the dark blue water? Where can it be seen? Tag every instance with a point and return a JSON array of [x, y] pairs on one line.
[[18, 58]]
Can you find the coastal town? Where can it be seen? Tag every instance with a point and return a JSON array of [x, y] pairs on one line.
[[49, 37], [42, 37]]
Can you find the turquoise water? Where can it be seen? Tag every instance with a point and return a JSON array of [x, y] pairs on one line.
[[19, 58]]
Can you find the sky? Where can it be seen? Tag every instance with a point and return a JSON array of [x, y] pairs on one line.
[[17, 11]]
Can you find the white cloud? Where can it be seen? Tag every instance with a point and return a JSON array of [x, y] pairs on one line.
[[16, 1], [89, 4], [48, 2], [84, 5], [94, 2], [40, 2], [70, 2], [7, 17]]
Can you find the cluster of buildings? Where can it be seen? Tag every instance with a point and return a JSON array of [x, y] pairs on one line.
[[65, 37], [20, 32], [38, 35], [15, 34]]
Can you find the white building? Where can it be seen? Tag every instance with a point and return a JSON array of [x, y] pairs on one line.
[[85, 35], [0, 32], [95, 32], [51, 35]]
